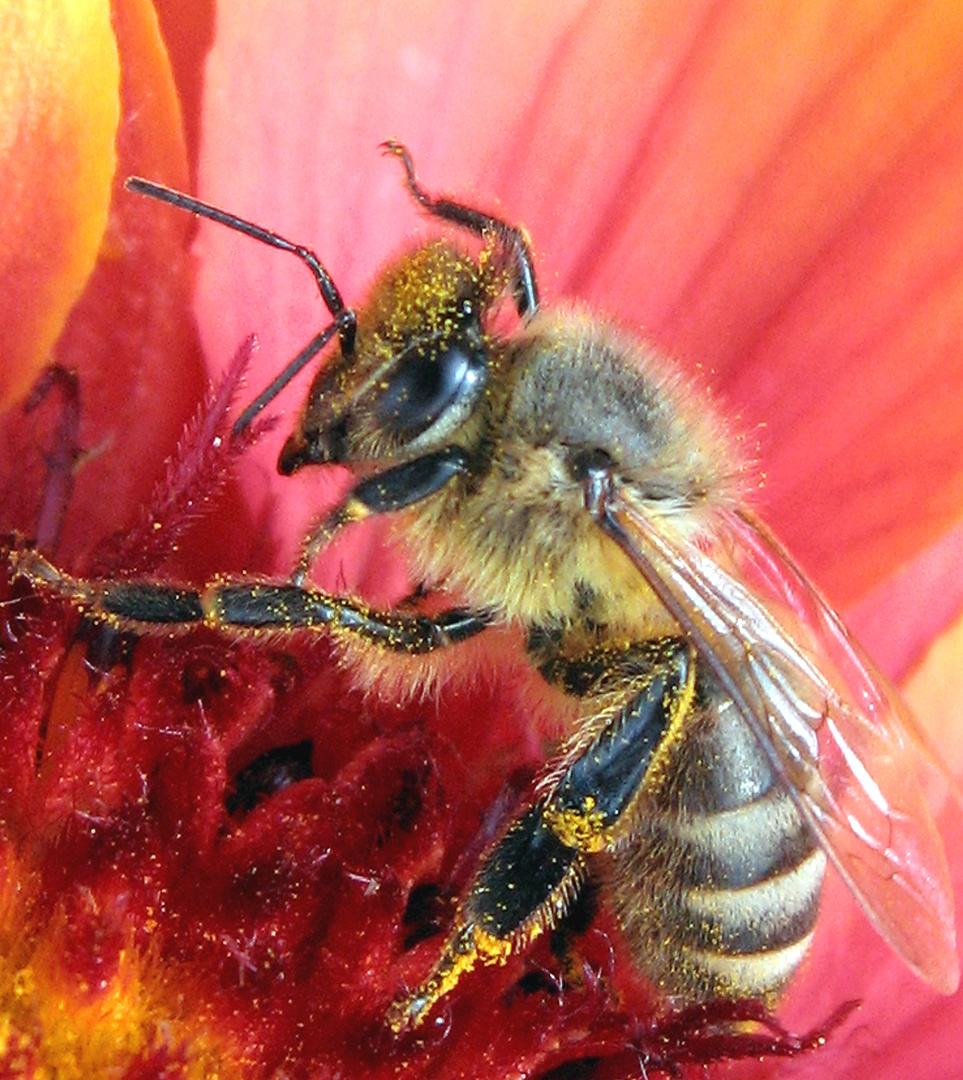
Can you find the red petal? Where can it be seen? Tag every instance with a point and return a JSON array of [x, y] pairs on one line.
[[187, 27], [131, 335]]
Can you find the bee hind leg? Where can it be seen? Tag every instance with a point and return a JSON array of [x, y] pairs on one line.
[[528, 880]]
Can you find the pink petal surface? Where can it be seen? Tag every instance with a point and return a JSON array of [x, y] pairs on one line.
[[898, 619], [773, 196]]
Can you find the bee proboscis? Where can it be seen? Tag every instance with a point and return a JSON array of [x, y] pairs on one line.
[[723, 735]]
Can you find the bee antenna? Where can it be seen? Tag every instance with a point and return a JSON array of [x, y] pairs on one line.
[[525, 290], [344, 323]]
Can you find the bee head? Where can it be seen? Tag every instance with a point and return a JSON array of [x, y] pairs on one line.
[[418, 368]]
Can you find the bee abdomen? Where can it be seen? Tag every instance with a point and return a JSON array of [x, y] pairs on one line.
[[720, 892], [751, 944], [748, 897]]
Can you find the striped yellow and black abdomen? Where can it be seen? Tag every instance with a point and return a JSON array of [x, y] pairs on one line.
[[719, 889]]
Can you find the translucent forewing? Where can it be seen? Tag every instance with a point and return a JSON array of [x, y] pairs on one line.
[[831, 725]]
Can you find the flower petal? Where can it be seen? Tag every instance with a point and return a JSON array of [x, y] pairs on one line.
[[902, 615], [935, 691], [902, 1020], [131, 336], [774, 197], [187, 27], [56, 167]]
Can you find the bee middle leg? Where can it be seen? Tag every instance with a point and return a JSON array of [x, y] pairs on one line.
[[245, 607], [252, 606], [527, 881]]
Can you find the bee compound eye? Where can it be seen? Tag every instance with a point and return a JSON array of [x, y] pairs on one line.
[[427, 384]]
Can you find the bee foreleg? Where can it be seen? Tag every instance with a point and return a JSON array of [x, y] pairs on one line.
[[528, 880], [266, 606], [383, 493], [515, 240]]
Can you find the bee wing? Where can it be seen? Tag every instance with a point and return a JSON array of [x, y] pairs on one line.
[[833, 728]]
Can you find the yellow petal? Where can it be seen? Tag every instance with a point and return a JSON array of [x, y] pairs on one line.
[[935, 692]]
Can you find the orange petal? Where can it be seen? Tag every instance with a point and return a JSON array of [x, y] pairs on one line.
[[131, 336], [56, 170]]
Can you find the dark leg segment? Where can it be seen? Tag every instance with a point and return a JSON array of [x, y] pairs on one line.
[[405, 484], [527, 881], [246, 606], [383, 493], [528, 867], [589, 803], [525, 291], [256, 606]]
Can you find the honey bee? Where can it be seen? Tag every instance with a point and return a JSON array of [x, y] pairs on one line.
[[723, 737]]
